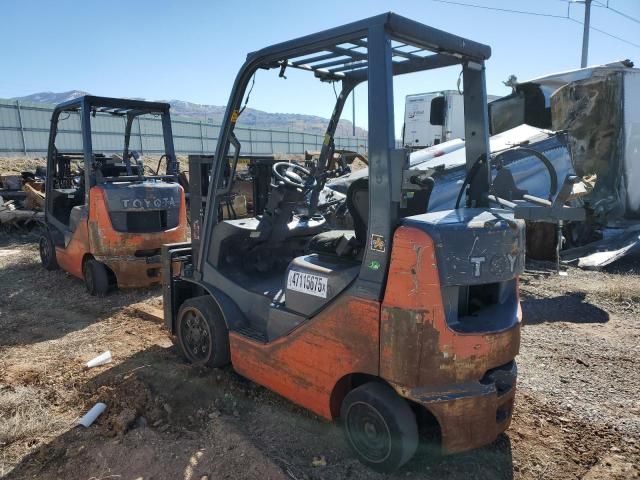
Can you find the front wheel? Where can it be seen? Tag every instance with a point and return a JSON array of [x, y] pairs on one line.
[[202, 333], [380, 426]]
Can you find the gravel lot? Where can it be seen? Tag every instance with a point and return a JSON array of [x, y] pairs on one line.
[[577, 413]]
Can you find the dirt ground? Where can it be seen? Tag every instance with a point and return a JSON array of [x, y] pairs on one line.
[[577, 412]]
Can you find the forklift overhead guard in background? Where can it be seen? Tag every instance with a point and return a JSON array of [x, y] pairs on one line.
[[107, 221]]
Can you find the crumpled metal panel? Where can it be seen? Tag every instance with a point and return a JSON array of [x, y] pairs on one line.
[[632, 140], [591, 110], [599, 254], [450, 161], [528, 172]]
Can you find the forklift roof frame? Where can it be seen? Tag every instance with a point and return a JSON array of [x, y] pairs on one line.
[[354, 53], [129, 108]]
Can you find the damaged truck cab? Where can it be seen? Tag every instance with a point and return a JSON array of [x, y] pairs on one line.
[[409, 317]]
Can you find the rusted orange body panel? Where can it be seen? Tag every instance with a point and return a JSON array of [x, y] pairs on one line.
[[70, 258], [96, 236], [405, 340], [306, 365], [428, 362]]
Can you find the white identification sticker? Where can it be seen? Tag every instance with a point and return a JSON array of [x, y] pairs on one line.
[[307, 283]]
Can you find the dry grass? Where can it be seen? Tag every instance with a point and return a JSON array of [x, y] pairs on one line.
[[26, 414], [15, 165], [623, 289]]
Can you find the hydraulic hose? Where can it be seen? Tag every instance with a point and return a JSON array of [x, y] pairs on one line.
[[471, 174]]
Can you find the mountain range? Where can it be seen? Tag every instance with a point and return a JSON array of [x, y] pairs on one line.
[[213, 113]]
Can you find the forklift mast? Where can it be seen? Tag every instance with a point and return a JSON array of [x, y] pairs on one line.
[[373, 50]]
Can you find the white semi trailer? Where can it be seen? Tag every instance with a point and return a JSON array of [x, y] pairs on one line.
[[433, 118]]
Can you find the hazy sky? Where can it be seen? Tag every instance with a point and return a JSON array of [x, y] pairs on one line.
[[192, 49]]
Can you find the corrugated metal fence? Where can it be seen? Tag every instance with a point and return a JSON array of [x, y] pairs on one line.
[[24, 130]]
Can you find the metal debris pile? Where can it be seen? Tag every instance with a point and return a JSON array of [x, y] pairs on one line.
[[22, 200]]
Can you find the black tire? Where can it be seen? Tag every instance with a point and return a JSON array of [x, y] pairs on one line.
[[48, 252], [202, 333], [380, 426], [96, 278]]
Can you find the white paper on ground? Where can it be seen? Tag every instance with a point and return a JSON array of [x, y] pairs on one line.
[[101, 359]]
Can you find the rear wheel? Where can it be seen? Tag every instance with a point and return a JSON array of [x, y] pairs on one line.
[[48, 252], [380, 426], [96, 278], [202, 333]]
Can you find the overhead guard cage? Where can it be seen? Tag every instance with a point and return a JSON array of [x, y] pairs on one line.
[[373, 50]]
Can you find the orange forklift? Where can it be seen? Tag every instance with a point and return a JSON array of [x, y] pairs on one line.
[[412, 315], [106, 219]]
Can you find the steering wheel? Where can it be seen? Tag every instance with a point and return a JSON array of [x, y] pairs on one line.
[[294, 175], [553, 176]]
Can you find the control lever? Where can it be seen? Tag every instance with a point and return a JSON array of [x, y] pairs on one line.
[[423, 179], [417, 179]]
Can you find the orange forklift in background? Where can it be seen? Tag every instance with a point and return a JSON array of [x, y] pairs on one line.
[[106, 220], [412, 314]]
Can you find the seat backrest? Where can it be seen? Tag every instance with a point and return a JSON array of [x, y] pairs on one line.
[[358, 206], [416, 202]]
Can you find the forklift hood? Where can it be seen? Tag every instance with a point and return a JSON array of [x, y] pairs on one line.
[[147, 206]]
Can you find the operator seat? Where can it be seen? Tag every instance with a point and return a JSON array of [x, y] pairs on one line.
[[358, 206], [345, 243], [350, 242]]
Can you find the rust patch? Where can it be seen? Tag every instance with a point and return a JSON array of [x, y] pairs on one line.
[[97, 237], [472, 422], [306, 365], [413, 319], [420, 353]]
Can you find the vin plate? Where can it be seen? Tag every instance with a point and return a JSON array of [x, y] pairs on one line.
[[307, 283]]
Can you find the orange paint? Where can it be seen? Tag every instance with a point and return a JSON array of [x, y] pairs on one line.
[[446, 356], [70, 258], [420, 354], [406, 341], [305, 365], [97, 237]]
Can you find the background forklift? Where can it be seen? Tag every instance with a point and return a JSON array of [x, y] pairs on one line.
[[106, 220], [409, 316]]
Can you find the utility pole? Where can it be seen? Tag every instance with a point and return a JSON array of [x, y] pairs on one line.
[[585, 33]]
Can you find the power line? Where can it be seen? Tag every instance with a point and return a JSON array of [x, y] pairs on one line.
[[600, 4], [605, 33], [629, 17], [564, 17], [523, 12]]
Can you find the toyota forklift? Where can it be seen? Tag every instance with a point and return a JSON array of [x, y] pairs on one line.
[[408, 318], [106, 218]]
